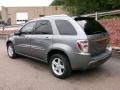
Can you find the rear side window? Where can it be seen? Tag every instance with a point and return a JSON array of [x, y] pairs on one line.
[[43, 27], [65, 27], [91, 26]]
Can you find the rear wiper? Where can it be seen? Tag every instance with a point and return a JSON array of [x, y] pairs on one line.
[[98, 32]]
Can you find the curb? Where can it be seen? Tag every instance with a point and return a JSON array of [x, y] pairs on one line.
[[116, 49]]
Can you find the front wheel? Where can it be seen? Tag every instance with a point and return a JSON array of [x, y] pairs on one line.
[[11, 50], [60, 66]]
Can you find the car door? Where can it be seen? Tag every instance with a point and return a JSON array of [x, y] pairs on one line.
[[23, 39], [41, 39]]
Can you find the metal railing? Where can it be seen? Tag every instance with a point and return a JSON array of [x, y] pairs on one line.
[[98, 14]]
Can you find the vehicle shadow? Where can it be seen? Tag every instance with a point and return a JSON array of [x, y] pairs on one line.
[[77, 75], [36, 64], [96, 75]]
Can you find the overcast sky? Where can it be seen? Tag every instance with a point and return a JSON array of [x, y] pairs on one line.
[[11, 3]]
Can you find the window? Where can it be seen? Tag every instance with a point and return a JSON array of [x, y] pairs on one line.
[[65, 27], [43, 27], [41, 15], [91, 26], [28, 28]]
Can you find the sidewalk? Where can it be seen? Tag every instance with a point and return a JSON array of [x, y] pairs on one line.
[[7, 31], [9, 28]]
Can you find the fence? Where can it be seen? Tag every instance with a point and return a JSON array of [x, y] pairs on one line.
[[98, 14], [111, 25]]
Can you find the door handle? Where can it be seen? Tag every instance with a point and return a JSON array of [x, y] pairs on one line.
[[27, 37], [47, 38]]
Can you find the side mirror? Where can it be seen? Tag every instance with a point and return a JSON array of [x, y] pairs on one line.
[[17, 33]]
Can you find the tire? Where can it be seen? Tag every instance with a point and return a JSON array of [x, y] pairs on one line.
[[60, 66], [11, 51]]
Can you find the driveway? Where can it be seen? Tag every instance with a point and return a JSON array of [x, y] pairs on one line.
[[28, 74]]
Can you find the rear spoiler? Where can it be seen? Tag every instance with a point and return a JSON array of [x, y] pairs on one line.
[[78, 18]]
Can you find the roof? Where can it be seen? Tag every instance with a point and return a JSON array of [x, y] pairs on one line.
[[51, 16]]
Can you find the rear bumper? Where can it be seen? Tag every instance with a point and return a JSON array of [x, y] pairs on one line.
[[98, 60], [85, 61]]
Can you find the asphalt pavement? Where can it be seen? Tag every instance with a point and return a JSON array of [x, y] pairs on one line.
[[28, 74]]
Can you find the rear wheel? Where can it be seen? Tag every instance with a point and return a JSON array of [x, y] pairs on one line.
[[11, 51], [60, 66]]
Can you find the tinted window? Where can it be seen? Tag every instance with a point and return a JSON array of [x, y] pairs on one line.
[[43, 27], [28, 28], [91, 26], [65, 27]]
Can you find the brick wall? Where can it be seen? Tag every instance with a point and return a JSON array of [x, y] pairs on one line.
[[113, 27]]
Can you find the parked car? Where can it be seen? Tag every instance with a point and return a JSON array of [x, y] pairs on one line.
[[2, 23], [63, 42]]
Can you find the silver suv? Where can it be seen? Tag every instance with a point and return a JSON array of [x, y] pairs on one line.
[[63, 42]]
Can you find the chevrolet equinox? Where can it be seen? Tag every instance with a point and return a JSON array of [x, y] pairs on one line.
[[65, 43]]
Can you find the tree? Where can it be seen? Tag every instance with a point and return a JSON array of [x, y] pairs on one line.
[[57, 3], [76, 7]]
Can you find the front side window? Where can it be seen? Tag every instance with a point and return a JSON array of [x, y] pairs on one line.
[[28, 28], [65, 27], [43, 27]]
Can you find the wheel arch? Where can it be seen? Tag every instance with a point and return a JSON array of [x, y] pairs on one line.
[[8, 42], [57, 51]]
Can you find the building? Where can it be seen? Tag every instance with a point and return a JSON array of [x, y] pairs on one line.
[[18, 15]]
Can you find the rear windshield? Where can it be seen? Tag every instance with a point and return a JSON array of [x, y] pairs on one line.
[[91, 26]]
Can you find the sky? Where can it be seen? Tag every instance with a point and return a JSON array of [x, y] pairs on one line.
[[11, 3]]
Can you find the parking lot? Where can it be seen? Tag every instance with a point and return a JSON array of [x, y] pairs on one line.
[[28, 74]]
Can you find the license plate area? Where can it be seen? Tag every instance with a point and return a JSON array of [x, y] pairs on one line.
[[101, 42]]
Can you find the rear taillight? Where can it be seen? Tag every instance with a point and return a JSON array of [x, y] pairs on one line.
[[82, 45]]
